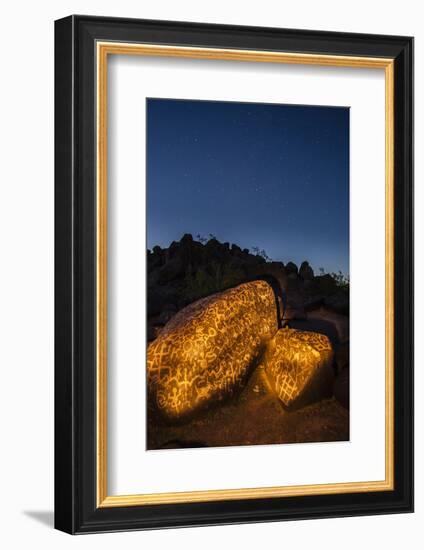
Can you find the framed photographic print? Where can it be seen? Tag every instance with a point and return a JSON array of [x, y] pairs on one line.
[[233, 266]]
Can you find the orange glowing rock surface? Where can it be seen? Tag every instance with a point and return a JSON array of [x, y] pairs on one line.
[[207, 349], [295, 361]]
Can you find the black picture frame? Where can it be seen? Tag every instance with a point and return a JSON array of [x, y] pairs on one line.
[[76, 508]]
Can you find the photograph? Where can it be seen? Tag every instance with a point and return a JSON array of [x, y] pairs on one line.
[[247, 273]]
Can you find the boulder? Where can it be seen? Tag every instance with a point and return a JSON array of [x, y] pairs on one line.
[[186, 238], [316, 325], [274, 270], [165, 316], [338, 302], [306, 272], [207, 349], [293, 312], [172, 250], [342, 357], [291, 269], [299, 366], [341, 388], [339, 322]]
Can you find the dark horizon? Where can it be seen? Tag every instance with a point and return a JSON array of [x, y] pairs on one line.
[[270, 176]]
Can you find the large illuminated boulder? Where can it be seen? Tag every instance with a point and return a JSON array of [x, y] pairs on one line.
[[208, 348], [299, 366]]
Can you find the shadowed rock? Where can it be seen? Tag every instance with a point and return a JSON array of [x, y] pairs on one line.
[[339, 322], [341, 388], [209, 347], [306, 271]]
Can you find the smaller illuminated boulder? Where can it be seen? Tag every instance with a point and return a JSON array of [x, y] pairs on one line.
[[298, 365], [207, 349]]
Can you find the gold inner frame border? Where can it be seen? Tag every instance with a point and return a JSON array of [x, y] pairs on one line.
[[103, 50]]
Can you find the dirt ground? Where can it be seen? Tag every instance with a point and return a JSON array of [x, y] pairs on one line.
[[254, 417]]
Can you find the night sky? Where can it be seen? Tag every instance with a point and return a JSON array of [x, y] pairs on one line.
[[271, 176]]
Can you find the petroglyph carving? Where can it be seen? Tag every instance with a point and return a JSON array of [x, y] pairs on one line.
[[293, 358], [208, 348]]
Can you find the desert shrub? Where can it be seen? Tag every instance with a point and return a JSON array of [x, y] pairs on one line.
[[261, 253], [330, 282], [341, 280]]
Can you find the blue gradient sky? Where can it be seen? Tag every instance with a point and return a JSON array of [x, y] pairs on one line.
[[272, 176]]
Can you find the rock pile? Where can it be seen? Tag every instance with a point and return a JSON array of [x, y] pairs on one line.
[[189, 270], [213, 310]]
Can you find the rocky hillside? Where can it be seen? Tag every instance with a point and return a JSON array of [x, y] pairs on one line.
[[191, 269]]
